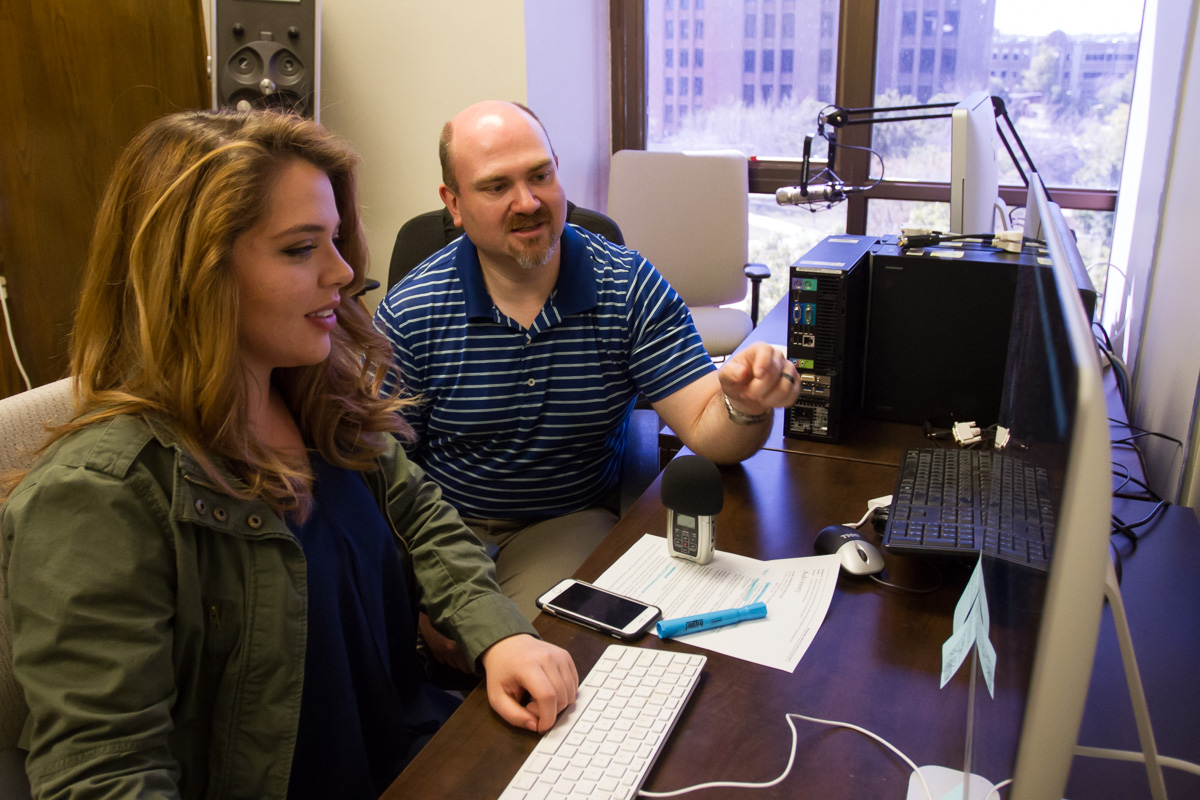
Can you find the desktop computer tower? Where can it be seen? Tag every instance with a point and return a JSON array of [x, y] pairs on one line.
[[827, 300], [938, 329], [267, 54]]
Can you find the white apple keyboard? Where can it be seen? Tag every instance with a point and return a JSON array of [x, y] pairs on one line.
[[604, 744]]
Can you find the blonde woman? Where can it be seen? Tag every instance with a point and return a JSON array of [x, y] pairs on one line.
[[214, 570]]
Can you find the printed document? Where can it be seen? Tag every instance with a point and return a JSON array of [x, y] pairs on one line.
[[797, 592]]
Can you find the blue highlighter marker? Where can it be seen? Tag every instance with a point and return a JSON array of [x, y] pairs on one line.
[[680, 626]]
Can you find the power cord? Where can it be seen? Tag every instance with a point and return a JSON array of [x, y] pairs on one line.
[[12, 340], [790, 717]]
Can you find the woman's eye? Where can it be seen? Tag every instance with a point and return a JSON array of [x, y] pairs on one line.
[[301, 251]]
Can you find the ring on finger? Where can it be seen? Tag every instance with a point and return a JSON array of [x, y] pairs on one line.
[[787, 377]]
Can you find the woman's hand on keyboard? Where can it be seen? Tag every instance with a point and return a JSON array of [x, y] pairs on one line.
[[529, 681]]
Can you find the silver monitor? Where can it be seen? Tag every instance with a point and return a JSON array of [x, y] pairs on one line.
[[974, 173], [1054, 406]]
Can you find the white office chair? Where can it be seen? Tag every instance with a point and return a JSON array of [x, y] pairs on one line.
[[687, 213], [23, 421]]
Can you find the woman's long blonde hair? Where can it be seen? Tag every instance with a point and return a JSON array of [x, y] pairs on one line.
[[157, 327]]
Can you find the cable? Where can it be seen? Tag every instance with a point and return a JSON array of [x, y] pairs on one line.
[[12, 341], [791, 760], [909, 589]]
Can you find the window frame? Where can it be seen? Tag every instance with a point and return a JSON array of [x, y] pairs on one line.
[[857, 31]]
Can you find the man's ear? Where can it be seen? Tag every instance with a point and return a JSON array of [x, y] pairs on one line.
[[451, 201]]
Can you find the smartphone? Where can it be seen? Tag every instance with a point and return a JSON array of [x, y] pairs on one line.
[[614, 614]]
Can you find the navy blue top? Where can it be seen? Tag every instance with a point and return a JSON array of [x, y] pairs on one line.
[[366, 707], [518, 422]]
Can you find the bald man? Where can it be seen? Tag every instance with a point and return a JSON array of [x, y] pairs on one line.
[[529, 341]]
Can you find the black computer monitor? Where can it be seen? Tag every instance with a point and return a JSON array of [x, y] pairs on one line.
[[1054, 407]]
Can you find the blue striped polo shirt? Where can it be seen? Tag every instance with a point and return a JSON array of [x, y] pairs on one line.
[[520, 423]]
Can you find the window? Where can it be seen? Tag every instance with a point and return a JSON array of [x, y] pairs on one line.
[[683, 87], [699, 29], [925, 51], [669, 58], [683, 58], [683, 4], [683, 29], [669, 86]]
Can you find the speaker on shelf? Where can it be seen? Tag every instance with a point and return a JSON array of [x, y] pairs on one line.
[[267, 53]]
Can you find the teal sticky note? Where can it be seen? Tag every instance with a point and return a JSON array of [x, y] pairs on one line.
[[955, 650], [962, 611], [972, 623], [983, 643]]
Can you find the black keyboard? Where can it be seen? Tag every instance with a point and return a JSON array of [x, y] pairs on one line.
[[964, 501]]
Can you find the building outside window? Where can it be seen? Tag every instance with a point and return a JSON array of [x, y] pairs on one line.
[[1064, 73]]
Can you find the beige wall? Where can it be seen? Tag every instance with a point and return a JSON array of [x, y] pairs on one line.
[[392, 74]]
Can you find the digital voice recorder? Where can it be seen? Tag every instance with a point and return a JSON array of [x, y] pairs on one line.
[[693, 494]]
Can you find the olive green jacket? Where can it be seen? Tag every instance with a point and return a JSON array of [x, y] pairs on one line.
[[159, 624]]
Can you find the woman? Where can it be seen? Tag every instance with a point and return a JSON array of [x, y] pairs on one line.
[[205, 588]]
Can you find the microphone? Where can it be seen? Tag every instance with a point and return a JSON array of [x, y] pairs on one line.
[[693, 494], [805, 195]]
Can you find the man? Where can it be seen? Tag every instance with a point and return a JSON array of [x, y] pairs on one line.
[[529, 341]]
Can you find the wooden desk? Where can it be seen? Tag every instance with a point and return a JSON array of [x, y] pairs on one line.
[[875, 662]]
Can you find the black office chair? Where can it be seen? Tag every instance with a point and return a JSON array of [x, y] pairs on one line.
[[425, 234]]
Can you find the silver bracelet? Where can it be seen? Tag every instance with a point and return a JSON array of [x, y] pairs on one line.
[[742, 418]]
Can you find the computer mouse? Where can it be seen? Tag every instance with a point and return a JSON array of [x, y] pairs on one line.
[[859, 557]]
